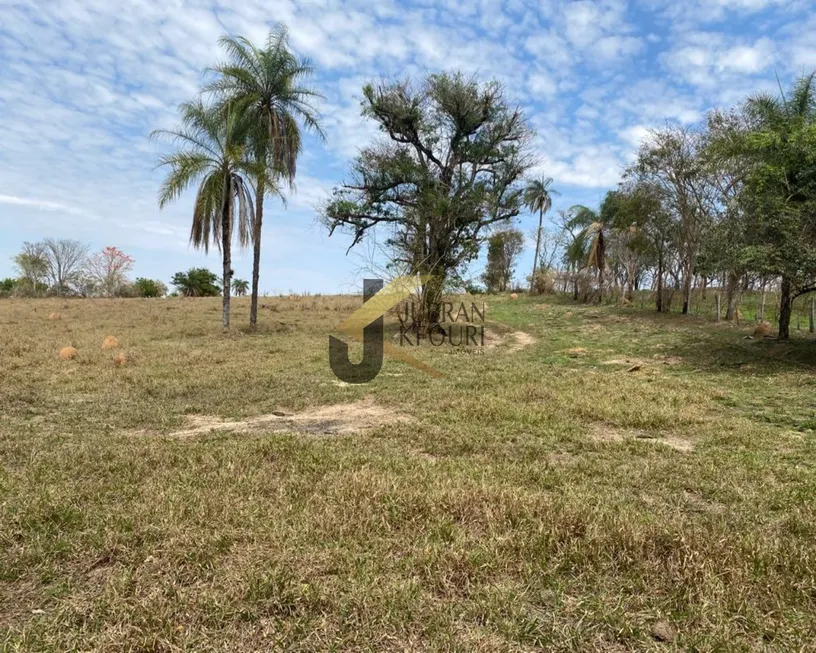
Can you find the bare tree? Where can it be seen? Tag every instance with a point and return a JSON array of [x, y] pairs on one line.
[[549, 245], [672, 161], [65, 259]]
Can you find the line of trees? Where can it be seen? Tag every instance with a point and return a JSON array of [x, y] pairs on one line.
[[729, 203], [66, 267]]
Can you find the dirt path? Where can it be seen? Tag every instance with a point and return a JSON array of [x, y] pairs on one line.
[[338, 419], [522, 340]]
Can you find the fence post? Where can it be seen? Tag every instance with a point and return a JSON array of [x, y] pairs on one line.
[[717, 297]]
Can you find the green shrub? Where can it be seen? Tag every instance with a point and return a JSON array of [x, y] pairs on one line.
[[197, 282], [148, 288]]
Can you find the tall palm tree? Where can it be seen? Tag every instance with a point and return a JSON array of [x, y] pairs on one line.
[[240, 287], [538, 198], [212, 152], [266, 86]]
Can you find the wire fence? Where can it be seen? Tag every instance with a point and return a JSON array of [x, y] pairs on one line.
[[752, 307]]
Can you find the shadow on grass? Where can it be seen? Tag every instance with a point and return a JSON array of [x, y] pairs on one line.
[[714, 346]]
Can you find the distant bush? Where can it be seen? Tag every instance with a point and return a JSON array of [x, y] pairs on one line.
[[197, 282], [26, 288], [126, 290], [149, 288], [7, 286], [473, 288]]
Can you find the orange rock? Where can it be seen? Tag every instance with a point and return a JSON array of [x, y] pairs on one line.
[[513, 296], [120, 359], [67, 353], [54, 316], [110, 343]]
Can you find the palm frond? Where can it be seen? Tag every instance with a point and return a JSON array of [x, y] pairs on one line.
[[207, 210], [246, 209], [187, 167], [264, 84], [803, 100]]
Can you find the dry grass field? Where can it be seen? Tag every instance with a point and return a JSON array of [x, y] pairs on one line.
[[610, 480]]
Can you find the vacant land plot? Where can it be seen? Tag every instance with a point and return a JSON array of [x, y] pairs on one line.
[[598, 479]]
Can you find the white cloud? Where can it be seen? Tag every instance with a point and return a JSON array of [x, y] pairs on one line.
[[83, 83], [698, 12], [541, 84], [44, 205], [635, 135]]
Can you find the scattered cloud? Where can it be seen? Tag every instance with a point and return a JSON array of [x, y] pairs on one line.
[[709, 59], [83, 83]]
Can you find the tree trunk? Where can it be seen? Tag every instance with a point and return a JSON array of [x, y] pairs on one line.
[[785, 309], [538, 248], [600, 285], [631, 278], [256, 253], [431, 300], [575, 283], [732, 296], [686, 290], [660, 282], [226, 251]]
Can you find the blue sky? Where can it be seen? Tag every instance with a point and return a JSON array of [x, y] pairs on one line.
[[83, 82]]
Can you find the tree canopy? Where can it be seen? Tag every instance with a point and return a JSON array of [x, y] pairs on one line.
[[450, 166]]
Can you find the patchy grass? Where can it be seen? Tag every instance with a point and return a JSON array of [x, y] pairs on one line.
[[539, 497]]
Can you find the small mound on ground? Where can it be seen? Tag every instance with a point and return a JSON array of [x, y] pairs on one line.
[[67, 353], [763, 330], [513, 296], [54, 316], [338, 419], [120, 359], [110, 342]]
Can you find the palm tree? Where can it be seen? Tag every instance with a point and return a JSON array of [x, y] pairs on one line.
[[781, 140], [212, 152], [265, 85], [592, 232], [538, 197], [240, 287]]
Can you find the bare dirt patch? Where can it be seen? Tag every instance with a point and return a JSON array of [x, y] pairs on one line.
[[522, 340], [337, 419], [516, 340], [607, 433]]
